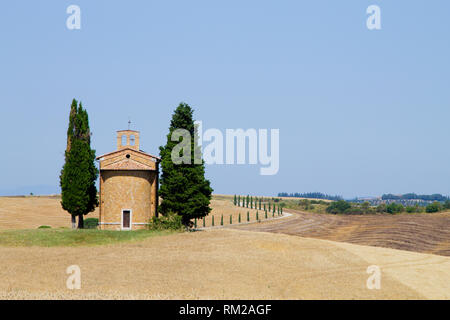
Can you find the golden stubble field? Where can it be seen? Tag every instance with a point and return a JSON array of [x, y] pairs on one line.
[[214, 264], [32, 212], [223, 264]]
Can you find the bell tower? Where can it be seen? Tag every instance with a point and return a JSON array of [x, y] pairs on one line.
[[128, 139]]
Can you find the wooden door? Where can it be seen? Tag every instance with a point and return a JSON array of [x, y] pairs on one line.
[[126, 219]]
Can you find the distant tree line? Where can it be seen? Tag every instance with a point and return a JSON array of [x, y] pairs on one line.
[[404, 202], [413, 196], [346, 207], [311, 195]]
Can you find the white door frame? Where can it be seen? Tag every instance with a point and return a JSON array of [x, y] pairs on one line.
[[121, 219]]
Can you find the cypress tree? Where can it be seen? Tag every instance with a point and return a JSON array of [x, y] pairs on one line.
[[221, 220], [248, 200], [259, 203], [239, 201], [239, 217], [234, 200], [251, 202], [184, 189], [79, 173]]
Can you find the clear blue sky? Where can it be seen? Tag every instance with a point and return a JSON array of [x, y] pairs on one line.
[[360, 112]]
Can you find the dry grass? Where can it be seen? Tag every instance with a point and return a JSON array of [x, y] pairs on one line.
[[215, 264], [223, 264], [32, 212]]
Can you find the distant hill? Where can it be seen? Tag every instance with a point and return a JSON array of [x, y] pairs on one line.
[[27, 190], [310, 195], [413, 196], [407, 199]]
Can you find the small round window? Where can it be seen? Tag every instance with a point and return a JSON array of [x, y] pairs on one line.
[[128, 156]]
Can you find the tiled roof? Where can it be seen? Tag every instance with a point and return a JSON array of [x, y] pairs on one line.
[[126, 164], [122, 150]]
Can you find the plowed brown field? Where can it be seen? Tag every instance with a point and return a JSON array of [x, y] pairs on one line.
[[426, 233]]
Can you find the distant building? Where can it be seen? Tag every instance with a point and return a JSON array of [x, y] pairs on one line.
[[128, 185]]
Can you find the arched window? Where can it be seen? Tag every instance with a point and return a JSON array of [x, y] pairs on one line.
[[124, 140], [132, 140]]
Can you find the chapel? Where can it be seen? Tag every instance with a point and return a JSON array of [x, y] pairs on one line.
[[128, 185]]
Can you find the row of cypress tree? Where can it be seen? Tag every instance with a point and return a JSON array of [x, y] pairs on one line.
[[250, 202], [279, 212]]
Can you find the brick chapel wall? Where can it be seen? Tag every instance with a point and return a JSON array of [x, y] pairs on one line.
[[122, 189]]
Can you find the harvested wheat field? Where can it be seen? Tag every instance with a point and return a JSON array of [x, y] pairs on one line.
[[223, 264], [426, 233], [31, 212]]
